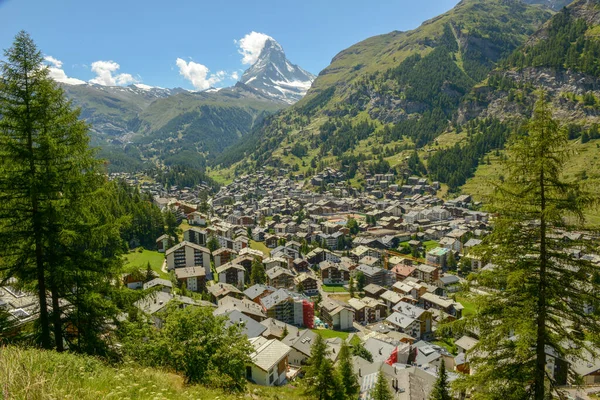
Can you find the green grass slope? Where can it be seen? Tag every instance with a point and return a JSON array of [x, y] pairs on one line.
[[37, 375]]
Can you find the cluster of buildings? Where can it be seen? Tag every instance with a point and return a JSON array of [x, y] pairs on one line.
[[310, 243]]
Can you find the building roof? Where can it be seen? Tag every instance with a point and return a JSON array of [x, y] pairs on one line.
[[189, 272], [250, 327], [301, 341], [438, 251], [275, 298], [404, 270], [158, 282], [256, 290], [228, 266], [401, 320], [229, 303], [268, 353], [278, 271], [391, 296], [222, 289], [187, 244], [466, 342], [449, 279], [409, 309]]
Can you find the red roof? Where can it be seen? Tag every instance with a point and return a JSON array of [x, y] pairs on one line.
[[403, 270]]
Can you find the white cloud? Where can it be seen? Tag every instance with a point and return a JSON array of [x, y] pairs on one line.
[[235, 76], [251, 45], [58, 74], [198, 74], [104, 74]]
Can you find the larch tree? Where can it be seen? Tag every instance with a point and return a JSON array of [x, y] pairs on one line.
[[539, 297]]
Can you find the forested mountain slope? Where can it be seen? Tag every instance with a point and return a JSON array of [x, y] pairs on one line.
[[391, 92], [562, 59]]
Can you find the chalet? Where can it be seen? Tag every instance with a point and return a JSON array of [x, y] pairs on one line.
[[420, 314], [450, 307], [232, 274], [269, 362], [197, 218], [368, 310], [187, 254], [194, 278], [245, 306], [447, 284], [338, 315], [426, 273], [403, 271], [196, 235], [300, 265], [223, 256], [308, 283], [390, 299], [289, 307], [164, 285], [334, 273], [221, 290], [164, 242], [410, 289], [271, 241], [405, 324], [279, 278], [273, 262], [256, 292], [372, 290], [378, 276]]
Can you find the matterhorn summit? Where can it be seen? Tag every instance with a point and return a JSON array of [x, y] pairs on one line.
[[275, 76]]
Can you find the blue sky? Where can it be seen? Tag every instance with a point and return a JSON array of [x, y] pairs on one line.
[[142, 41]]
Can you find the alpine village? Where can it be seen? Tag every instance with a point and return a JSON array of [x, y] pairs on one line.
[[419, 221]]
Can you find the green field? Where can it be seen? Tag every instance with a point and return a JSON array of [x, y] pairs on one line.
[[448, 344], [467, 303], [135, 259], [430, 244], [333, 288], [38, 374], [260, 246]]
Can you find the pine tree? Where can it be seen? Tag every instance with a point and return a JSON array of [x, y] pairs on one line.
[[213, 243], [47, 176], [537, 290], [149, 272], [360, 281], [381, 391], [440, 389], [346, 372], [258, 274], [318, 355], [351, 287], [321, 379]]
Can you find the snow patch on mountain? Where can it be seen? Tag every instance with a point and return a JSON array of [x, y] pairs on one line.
[[273, 75]]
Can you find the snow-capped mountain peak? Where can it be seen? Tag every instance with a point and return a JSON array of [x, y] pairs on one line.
[[275, 76]]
